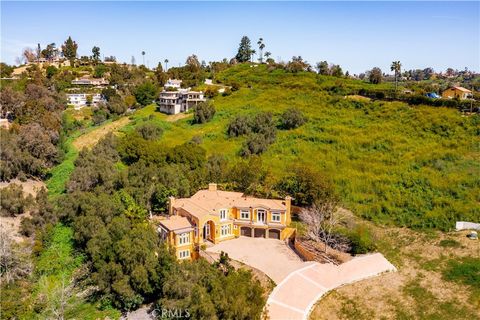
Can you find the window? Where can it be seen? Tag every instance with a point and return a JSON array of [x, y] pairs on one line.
[[184, 238], [245, 214], [226, 230], [276, 216], [223, 214], [184, 254]]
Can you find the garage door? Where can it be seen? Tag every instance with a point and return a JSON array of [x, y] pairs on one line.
[[245, 231], [274, 234], [259, 233]]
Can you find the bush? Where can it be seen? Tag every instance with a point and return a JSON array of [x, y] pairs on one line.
[[362, 239], [255, 144], [292, 118], [203, 112], [449, 243], [211, 92], [240, 125], [13, 202], [149, 131]]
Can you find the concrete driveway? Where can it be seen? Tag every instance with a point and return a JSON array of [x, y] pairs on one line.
[[299, 284], [273, 257]]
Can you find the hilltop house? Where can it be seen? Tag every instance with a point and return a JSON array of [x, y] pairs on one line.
[[457, 93], [181, 100], [212, 216], [173, 83], [90, 82], [80, 100]]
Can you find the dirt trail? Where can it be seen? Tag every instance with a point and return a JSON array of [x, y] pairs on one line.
[[89, 139]]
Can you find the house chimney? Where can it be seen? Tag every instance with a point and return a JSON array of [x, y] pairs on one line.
[[212, 187], [171, 201], [288, 204]]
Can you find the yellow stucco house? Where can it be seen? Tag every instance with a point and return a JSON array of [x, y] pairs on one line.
[[456, 92], [212, 215]]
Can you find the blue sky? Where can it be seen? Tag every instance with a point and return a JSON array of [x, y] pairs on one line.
[[356, 35]]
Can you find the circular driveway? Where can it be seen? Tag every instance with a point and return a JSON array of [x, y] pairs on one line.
[[273, 257]]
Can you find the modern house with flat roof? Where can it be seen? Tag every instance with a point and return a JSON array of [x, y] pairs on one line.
[[80, 100], [212, 216], [181, 100]]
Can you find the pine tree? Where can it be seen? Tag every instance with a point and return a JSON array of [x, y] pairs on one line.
[[244, 50], [69, 49]]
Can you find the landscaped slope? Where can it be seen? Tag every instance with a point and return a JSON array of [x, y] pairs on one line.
[[391, 163]]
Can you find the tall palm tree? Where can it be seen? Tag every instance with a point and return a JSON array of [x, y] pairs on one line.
[[261, 46], [268, 54], [143, 55], [166, 64], [397, 68]]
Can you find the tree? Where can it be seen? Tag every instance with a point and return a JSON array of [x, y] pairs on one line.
[[261, 46], [321, 220], [193, 63], [204, 112], [336, 71], [29, 54], [51, 71], [49, 52], [297, 64], [166, 64], [5, 70], [396, 68], [244, 50], [160, 75], [14, 201], [323, 68], [145, 93], [96, 53], [292, 118], [69, 49], [375, 75], [143, 56], [14, 259]]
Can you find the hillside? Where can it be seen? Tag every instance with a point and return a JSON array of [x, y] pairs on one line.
[[391, 163]]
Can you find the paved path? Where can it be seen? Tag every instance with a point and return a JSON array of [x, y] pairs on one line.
[[273, 257], [294, 296]]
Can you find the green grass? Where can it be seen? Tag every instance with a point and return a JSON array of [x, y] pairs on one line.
[[391, 163], [59, 175], [54, 272]]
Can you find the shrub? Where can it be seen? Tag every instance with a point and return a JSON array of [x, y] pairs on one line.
[[240, 125], [292, 118], [211, 91], [203, 112], [449, 243], [255, 144], [362, 239], [13, 202], [149, 131]]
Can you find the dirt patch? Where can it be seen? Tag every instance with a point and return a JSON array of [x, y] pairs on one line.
[[91, 138], [176, 117], [12, 224]]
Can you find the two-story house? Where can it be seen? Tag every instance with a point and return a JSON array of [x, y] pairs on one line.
[[180, 100], [213, 216]]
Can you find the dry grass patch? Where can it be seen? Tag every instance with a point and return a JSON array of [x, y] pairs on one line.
[[417, 291], [91, 138]]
